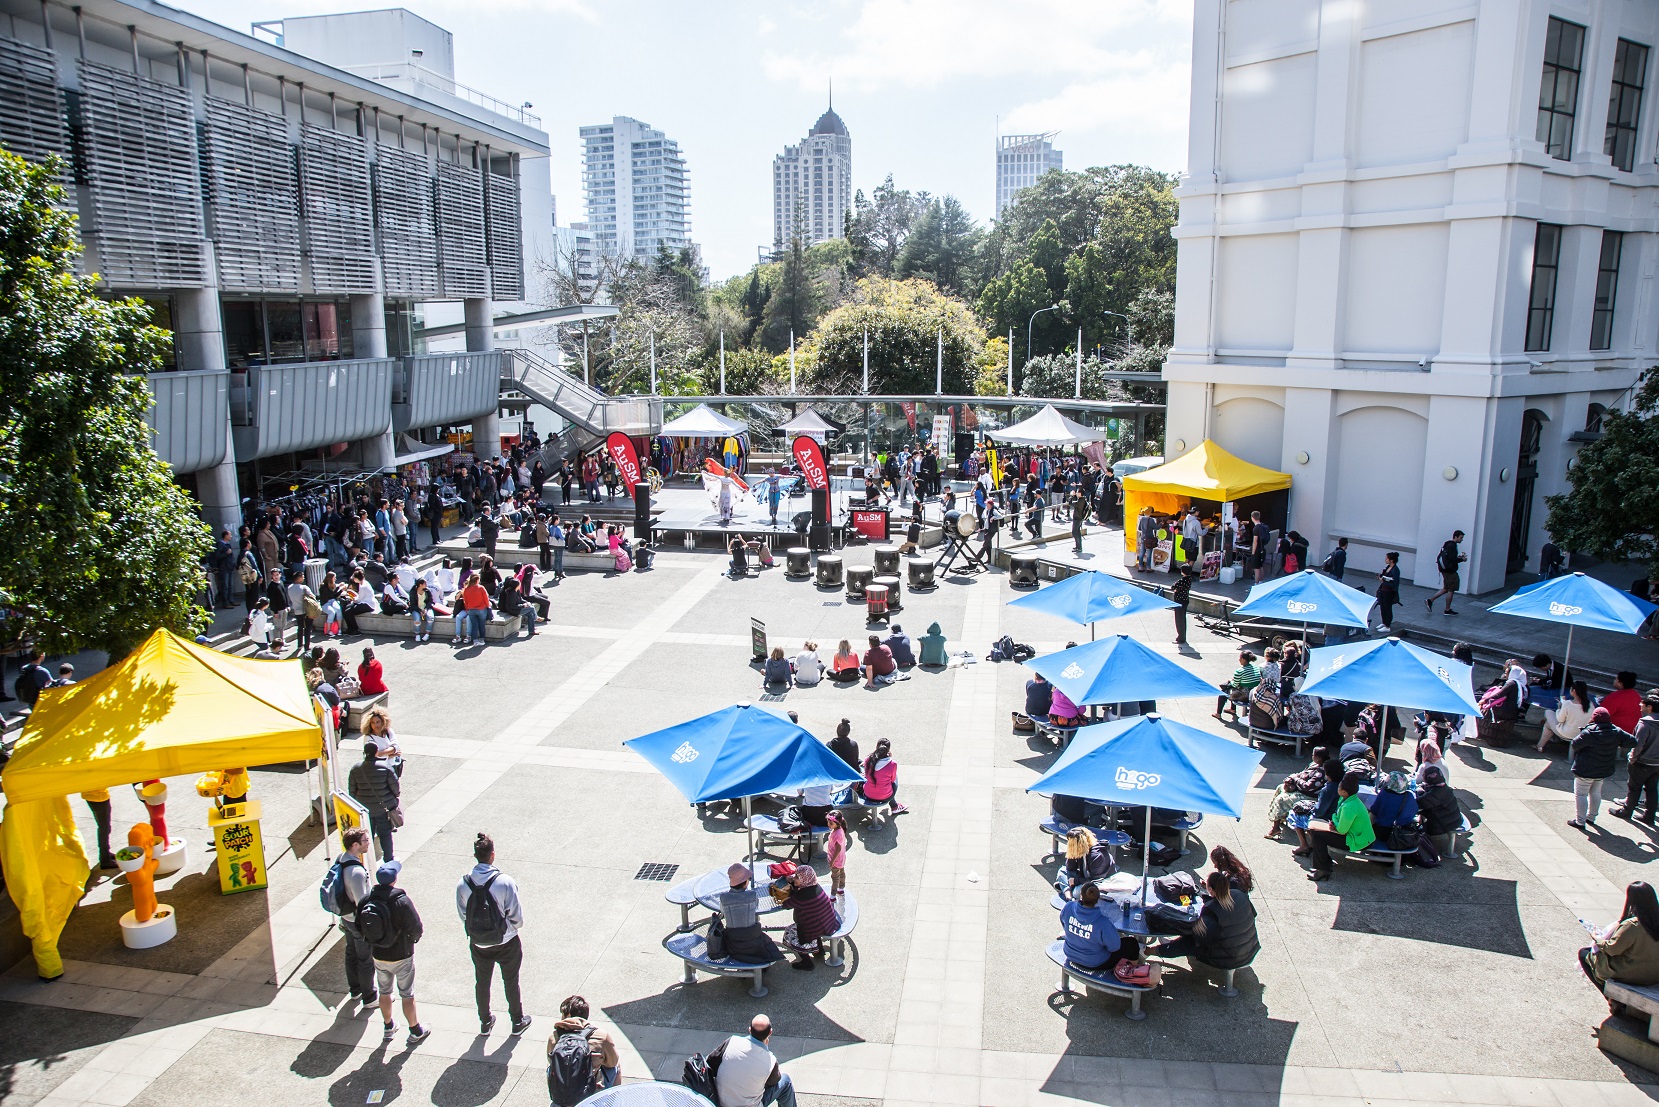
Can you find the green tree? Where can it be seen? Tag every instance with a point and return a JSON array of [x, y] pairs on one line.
[[753, 305], [793, 305], [98, 545], [1008, 302], [1054, 377], [941, 246], [1612, 511], [903, 320], [748, 373], [878, 227], [991, 378]]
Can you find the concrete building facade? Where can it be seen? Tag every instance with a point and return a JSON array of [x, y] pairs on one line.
[[288, 219], [1021, 159], [1417, 241], [812, 185], [636, 187]]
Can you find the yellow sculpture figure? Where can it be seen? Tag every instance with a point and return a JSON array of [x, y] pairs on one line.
[[142, 880]]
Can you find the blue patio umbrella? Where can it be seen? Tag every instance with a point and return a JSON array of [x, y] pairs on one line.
[[1117, 670], [1092, 598], [1309, 597], [739, 752], [1578, 601], [1391, 672], [1150, 761]]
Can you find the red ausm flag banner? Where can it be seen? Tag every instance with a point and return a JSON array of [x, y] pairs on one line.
[[811, 459], [621, 449]]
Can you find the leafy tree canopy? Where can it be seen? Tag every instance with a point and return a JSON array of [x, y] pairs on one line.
[[1054, 377], [98, 545], [1612, 511], [903, 319]]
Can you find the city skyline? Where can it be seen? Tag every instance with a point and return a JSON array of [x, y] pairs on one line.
[[924, 83]]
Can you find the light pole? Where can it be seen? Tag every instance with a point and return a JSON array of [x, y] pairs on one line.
[[1127, 324], [1033, 319]]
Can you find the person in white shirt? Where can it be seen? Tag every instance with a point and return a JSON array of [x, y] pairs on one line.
[[259, 624], [809, 667], [1570, 717], [491, 949], [748, 1074]]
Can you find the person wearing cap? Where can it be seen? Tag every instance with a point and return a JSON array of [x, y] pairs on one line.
[[740, 915], [1644, 763], [1349, 829], [394, 954], [1592, 757], [1438, 809]]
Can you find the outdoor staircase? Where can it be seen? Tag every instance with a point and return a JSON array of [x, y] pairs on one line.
[[590, 413]]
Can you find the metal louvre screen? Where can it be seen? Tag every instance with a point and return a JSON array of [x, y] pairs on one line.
[[339, 216], [403, 216], [139, 162], [31, 108], [461, 231], [253, 198], [506, 239]]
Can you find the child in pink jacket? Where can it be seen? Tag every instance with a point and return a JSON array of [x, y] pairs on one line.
[[835, 848]]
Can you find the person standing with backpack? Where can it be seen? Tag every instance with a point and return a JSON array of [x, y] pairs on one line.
[[373, 784], [346, 885], [581, 1058], [391, 925], [487, 901], [1448, 562]]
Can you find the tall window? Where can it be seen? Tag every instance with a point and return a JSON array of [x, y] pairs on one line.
[[1546, 259], [1607, 290], [1624, 106], [1558, 95]]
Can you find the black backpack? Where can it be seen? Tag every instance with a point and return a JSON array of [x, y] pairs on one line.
[[486, 925], [699, 1073], [377, 922], [570, 1068]]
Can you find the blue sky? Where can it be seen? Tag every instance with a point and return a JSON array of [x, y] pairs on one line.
[[920, 84]]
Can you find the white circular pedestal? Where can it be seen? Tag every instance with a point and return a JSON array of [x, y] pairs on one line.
[[171, 859], [162, 927]]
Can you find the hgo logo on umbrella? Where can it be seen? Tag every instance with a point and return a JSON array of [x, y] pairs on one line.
[[686, 754], [1134, 781], [1301, 607], [1562, 610], [1119, 601], [1072, 671]]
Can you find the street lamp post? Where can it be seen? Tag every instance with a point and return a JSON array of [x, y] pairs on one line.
[[1130, 326], [1028, 325]]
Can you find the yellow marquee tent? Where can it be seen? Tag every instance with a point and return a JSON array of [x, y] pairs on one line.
[[169, 708], [1206, 472]]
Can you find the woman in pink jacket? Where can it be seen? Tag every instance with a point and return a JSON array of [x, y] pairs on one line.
[[881, 778]]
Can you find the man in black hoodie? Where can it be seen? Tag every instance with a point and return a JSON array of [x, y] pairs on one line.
[[389, 922], [1592, 757]]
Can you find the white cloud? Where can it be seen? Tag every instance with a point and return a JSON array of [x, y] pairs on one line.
[[924, 43], [1139, 94]]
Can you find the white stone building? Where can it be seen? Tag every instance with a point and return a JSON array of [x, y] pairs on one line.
[[634, 182], [812, 185], [1021, 159], [1417, 246]]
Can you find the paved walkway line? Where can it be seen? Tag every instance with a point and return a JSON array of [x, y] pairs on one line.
[[1579, 885]]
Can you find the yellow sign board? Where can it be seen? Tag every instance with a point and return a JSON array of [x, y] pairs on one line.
[[239, 846]]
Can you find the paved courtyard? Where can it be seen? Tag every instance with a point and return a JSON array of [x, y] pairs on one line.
[[1454, 985]]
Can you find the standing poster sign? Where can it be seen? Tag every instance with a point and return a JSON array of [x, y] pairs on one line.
[[349, 813], [757, 638], [621, 449], [941, 430], [810, 456]]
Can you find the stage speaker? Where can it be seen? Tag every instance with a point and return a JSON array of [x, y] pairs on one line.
[[964, 446], [642, 512], [820, 505]]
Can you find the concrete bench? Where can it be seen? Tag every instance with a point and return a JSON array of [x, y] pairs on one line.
[[1638, 997], [692, 947], [769, 831], [361, 706], [1183, 827], [402, 626], [1100, 981], [684, 896], [1061, 736], [851, 802], [1057, 829], [1277, 737]]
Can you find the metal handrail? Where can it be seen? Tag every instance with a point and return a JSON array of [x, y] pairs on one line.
[[382, 71]]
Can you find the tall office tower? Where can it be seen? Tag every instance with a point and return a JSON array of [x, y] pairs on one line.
[[1021, 159], [812, 187], [634, 180]]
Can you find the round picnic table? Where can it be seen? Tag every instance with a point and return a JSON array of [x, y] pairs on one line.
[[711, 886], [1128, 917], [647, 1093]]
